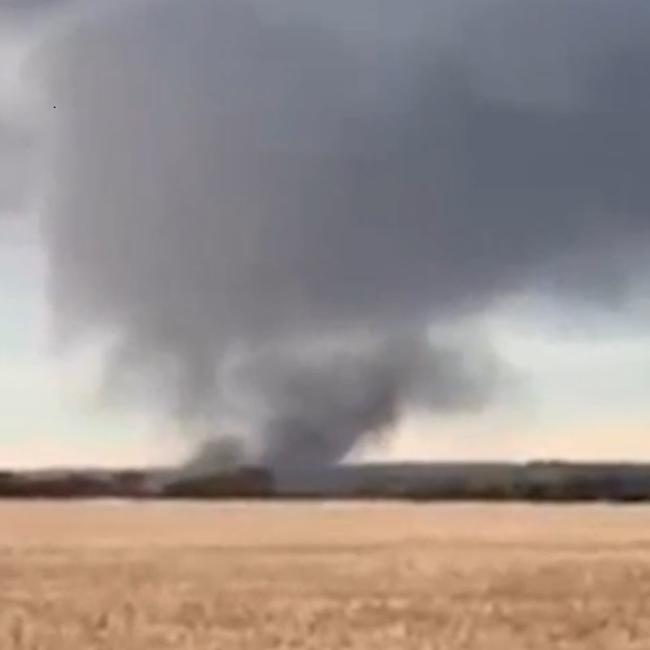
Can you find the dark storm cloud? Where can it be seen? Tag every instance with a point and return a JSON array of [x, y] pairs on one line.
[[19, 23], [20, 10], [16, 162], [230, 174], [316, 404]]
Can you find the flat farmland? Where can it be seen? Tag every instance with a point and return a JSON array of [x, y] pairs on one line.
[[199, 576]]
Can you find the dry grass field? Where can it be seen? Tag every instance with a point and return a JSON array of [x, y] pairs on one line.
[[184, 576]]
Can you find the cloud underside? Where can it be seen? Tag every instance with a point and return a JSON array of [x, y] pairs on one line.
[[250, 179]]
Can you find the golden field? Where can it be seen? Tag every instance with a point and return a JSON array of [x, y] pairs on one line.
[[189, 576]]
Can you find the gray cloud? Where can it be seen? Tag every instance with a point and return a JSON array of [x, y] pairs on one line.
[[20, 24], [20, 11], [235, 174], [314, 400], [16, 162]]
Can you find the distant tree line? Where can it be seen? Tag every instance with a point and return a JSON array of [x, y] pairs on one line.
[[555, 482], [73, 485], [238, 483], [242, 483]]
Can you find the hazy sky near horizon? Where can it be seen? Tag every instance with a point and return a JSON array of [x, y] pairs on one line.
[[578, 367], [584, 395]]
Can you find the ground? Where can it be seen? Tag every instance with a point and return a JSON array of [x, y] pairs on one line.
[[185, 576]]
